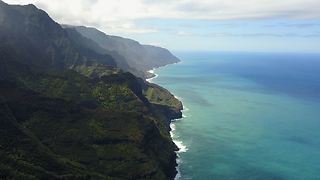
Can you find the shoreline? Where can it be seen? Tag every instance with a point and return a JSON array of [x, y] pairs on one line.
[[153, 75], [181, 147]]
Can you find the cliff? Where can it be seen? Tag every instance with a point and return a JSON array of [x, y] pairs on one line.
[[69, 111], [140, 58]]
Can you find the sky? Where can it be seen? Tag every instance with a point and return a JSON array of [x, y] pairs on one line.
[[198, 25]]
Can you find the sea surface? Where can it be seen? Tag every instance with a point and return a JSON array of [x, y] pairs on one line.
[[248, 116]]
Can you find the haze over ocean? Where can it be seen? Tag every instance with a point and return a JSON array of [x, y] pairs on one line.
[[250, 115]]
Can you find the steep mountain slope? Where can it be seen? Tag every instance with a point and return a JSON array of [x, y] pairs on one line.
[[32, 37], [67, 111], [140, 57], [92, 45]]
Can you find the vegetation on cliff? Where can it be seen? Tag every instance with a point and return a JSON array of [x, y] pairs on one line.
[[67, 110], [139, 58]]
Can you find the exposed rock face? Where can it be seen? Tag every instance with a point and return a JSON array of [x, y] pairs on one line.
[[67, 110]]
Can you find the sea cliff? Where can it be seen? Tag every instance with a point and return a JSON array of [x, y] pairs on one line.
[[69, 111]]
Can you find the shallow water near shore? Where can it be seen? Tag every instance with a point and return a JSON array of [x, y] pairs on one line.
[[249, 116]]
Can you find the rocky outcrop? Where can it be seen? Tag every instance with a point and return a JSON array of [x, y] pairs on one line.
[[164, 101]]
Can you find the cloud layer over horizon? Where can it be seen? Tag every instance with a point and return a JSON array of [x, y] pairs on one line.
[[120, 15], [166, 21]]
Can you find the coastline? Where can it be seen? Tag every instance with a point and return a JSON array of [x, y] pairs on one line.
[[153, 75], [181, 147]]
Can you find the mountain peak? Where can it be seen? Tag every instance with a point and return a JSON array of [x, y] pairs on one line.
[[31, 6], [3, 4], [68, 112]]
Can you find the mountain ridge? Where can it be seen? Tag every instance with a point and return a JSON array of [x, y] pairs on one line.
[[69, 112], [138, 56]]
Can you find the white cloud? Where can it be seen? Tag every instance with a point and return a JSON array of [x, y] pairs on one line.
[[119, 16], [183, 33], [228, 34]]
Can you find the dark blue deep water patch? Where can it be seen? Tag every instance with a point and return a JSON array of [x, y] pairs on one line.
[[294, 74], [249, 115]]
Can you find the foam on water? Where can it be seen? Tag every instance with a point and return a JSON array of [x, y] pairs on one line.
[[261, 125], [182, 148], [179, 98], [155, 76]]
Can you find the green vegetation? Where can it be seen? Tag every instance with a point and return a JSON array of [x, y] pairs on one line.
[[68, 112], [82, 123], [163, 101], [129, 54], [159, 95]]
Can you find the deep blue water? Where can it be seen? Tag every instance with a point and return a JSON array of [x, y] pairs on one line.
[[248, 116]]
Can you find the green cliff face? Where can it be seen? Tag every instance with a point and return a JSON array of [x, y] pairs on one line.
[[69, 111], [164, 101], [139, 58], [93, 126]]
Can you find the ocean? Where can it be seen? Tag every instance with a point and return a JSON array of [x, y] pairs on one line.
[[247, 115]]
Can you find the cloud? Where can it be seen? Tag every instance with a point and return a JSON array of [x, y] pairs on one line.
[[120, 16], [109, 16], [228, 34], [296, 25], [183, 33]]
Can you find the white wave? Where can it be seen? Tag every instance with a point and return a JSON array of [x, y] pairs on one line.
[[152, 72], [182, 148], [173, 127], [150, 79], [185, 109], [179, 98], [178, 176], [176, 120]]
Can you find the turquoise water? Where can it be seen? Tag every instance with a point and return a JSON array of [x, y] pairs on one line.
[[248, 115]]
